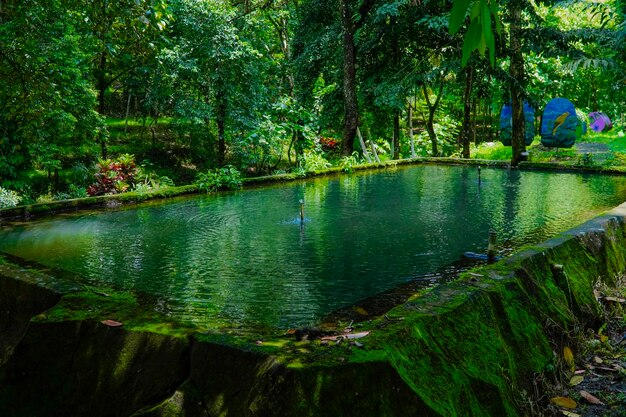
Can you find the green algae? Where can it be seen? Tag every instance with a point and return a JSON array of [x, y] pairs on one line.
[[120, 306]]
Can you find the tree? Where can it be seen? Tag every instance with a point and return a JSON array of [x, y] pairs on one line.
[[46, 104], [120, 35], [219, 80]]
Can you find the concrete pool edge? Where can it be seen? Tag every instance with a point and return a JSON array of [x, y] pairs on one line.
[[465, 348], [116, 200]]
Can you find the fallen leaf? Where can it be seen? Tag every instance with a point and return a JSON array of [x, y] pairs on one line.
[[604, 338], [597, 360], [576, 380], [346, 336], [111, 323], [569, 413], [564, 402], [590, 398], [360, 310], [569, 357], [291, 331], [357, 335]]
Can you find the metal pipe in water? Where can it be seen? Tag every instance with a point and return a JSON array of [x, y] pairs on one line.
[[491, 248]]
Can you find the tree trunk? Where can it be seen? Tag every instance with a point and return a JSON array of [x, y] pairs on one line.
[[432, 108], [516, 71], [396, 135], [411, 131], [467, 107], [430, 127], [351, 109], [221, 126]]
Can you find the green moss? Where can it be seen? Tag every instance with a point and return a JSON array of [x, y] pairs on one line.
[[120, 306]]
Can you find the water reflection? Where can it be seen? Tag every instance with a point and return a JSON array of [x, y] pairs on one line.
[[242, 258]]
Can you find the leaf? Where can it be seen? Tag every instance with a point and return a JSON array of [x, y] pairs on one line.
[[473, 38], [360, 310], [568, 355], [590, 398], [604, 338], [476, 8], [357, 335], [346, 336], [564, 402], [457, 15], [111, 323], [575, 380], [569, 413]]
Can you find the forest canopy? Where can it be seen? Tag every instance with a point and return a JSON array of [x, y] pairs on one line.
[[266, 86]]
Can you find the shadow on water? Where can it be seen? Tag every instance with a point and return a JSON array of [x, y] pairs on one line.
[[381, 303]]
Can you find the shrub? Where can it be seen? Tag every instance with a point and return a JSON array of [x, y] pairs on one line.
[[347, 163], [114, 176], [313, 161], [9, 198], [227, 177]]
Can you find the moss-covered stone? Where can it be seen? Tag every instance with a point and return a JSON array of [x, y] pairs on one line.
[[80, 368]]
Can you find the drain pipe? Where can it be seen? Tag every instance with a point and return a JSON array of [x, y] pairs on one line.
[[491, 248]]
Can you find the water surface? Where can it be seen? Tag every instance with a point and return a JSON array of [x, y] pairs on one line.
[[245, 258]]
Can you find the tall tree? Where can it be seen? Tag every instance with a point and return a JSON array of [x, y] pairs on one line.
[[516, 70], [46, 104], [120, 35], [218, 81]]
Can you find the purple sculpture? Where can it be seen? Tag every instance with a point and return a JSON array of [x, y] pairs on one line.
[[600, 122]]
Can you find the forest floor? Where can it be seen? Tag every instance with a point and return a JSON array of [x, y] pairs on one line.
[[592, 380]]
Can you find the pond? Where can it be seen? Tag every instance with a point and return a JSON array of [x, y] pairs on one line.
[[245, 259]]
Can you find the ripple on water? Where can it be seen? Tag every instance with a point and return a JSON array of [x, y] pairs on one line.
[[246, 258]]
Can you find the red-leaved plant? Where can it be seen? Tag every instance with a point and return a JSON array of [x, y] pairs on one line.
[[114, 175]]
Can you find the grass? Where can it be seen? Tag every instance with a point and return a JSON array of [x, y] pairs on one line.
[[615, 157], [611, 139], [491, 150], [116, 122]]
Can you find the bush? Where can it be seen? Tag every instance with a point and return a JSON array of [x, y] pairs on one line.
[[313, 161], [114, 176], [347, 163], [227, 177], [9, 198]]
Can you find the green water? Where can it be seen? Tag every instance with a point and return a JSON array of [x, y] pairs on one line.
[[244, 257]]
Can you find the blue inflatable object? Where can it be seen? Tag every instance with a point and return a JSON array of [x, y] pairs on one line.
[[506, 122], [560, 126]]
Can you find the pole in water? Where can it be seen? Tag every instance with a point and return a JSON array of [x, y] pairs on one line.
[[301, 211], [479, 175], [491, 248]]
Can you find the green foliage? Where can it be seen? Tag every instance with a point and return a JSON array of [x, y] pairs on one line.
[[47, 111], [480, 34], [492, 151], [9, 198], [347, 163], [447, 130], [227, 177], [114, 176], [312, 161]]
